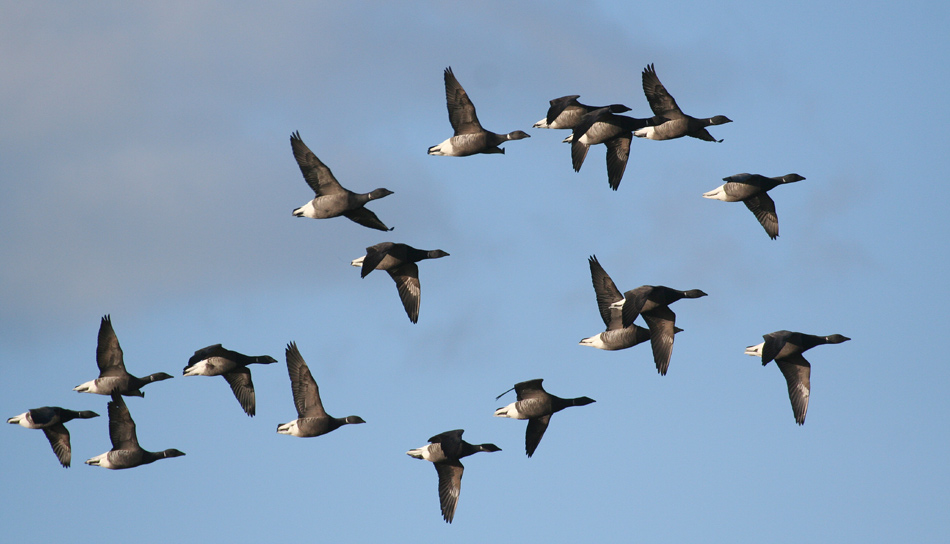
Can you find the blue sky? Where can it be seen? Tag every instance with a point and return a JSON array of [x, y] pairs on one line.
[[146, 173]]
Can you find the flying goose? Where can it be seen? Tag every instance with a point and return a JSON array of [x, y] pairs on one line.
[[752, 190], [470, 138], [126, 452], [113, 378], [677, 124], [652, 302], [217, 361], [536, 405], [312, 419], [609, 300], [444, 451], [331, 199], [603, 126], [786, 348], [51, 419], [566, 112], [399, 260]]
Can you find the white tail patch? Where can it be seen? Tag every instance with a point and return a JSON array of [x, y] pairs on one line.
[[719, 193], [358, 262], [646, 132], [755, 351]]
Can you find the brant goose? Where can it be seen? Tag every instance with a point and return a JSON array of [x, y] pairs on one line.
[[677, 124], [609, 301], [752, 189], [445, 450], [51, 419], [113, 377], [332, 199], [786, 348], [470, 138], [217, 361], [400, 261], [652, 302], [312, 419], [536, 405], [602, 126], [126, 452], [566, 112]]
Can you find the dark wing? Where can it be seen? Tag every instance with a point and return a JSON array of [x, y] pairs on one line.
[[58, 437], [450, 442], [618, 151], [450, 484], [558, 105], [108, 352], [635, 300], [374, 256], [763, 207], [43, 416], [243, 388], [774, 342], [607, 294], [661, 102], [461, 110], [797, 373], [661, 321], [578, 154], [702, 134], [121, 426], [304, 387], [530, 389], [216, 350], [532, 436], [406, 277], [318, 176], [366, 218]]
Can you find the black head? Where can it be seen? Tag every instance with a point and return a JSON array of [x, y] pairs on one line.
[[436, 253], [488, 447], [86, 414], [694, 293], [380, 193], [791, 178], [720, 120], [583, 401], [837, 339], [518, 135], [618, 108], [172, 453], [267, 359], [159, 376], [352, 420]]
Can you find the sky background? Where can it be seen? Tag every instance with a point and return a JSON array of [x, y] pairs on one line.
[[146, 173]]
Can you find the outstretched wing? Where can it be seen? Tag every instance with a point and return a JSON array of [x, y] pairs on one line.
[[797, 373], [58, 437], [108, 352], [661, 102], [243, 388], [763, 207], [461, 110], [534, 432], [121, 426], [406, 277], [450, 484], [618, 151], [318, 176], [607, 294], [366, 218], [304, 387]]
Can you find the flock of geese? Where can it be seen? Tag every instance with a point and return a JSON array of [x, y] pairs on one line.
[[589, 126]]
